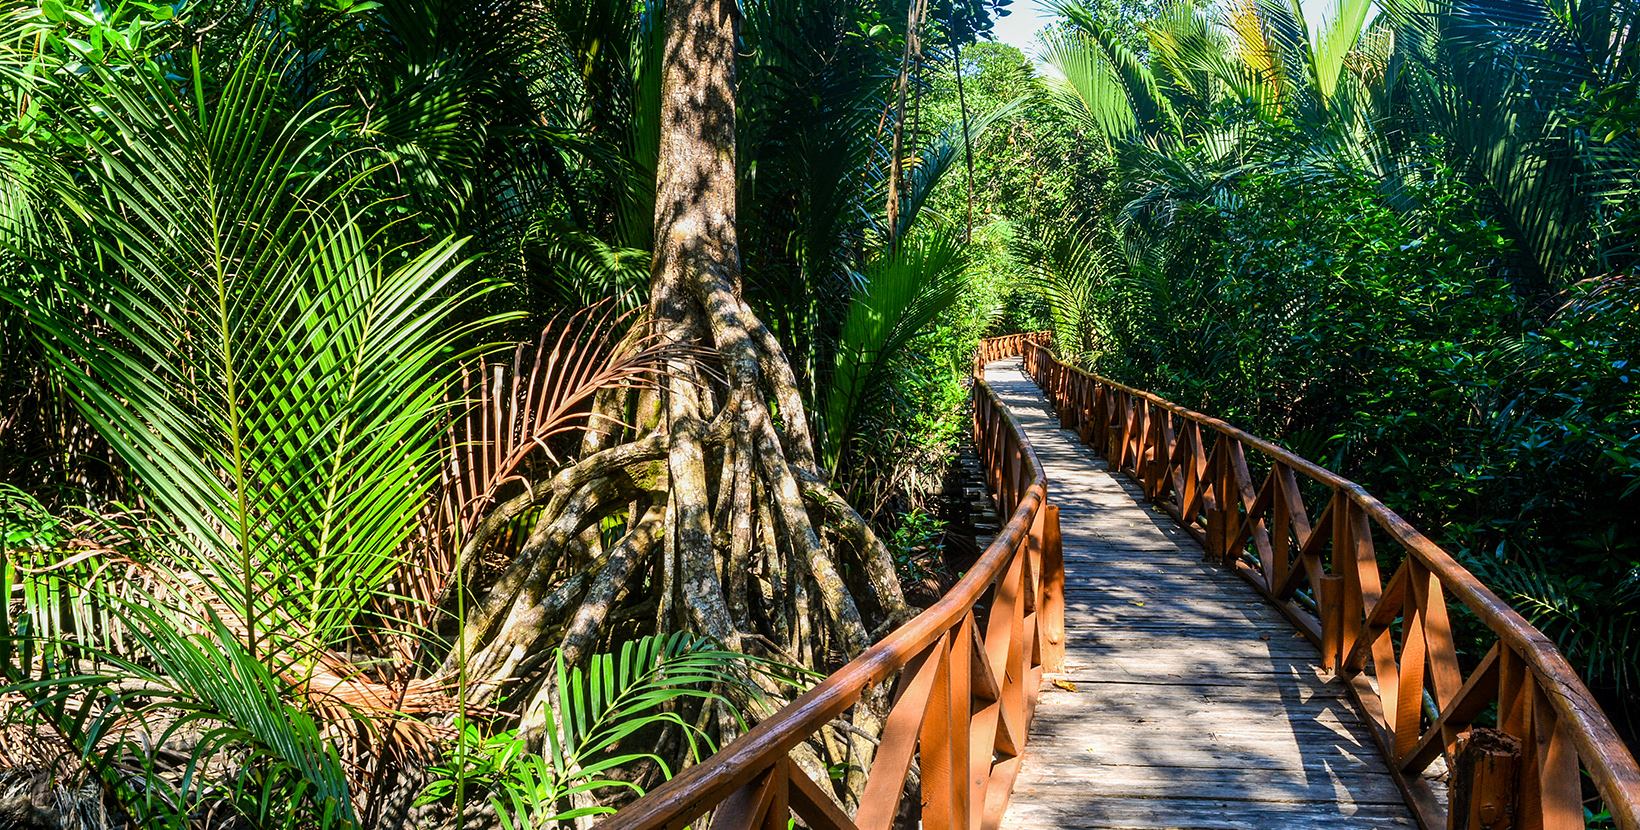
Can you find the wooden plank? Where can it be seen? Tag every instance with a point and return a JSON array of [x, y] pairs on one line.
[[1116, 685], [1105, 782], [1204, 814], [1312, 761], [1114, 678], [1340, 728], [1329, 726]]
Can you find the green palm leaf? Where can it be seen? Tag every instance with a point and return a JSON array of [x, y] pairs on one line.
[[904, 291], [250, 350]]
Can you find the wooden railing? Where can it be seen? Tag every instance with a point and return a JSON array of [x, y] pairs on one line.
[[993, 349], [968, 670], [1391, 643]]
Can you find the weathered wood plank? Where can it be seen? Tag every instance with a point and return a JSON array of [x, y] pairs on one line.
[[1074, 813], [1194, 704], [1053, 781]]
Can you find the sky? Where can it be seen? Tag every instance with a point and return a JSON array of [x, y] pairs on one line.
[[1019, 29]]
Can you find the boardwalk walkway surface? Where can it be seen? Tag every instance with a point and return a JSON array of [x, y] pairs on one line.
[[1195, 703]]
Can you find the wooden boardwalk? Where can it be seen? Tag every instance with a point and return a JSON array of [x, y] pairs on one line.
[[1195, 705]]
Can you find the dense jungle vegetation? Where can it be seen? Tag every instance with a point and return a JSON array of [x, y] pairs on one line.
[[427, 413], [1402, 241]]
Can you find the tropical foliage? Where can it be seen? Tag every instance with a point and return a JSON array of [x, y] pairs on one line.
[[394, 433], [346, 446], [1400, 239]]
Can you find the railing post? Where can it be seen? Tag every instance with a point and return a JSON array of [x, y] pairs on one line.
[[1062, 400], [1168, 456], [1011, 494], [1547, 792], [939, 774], [1329, 602], [1229, 501], [958, 715], [1111, 402], [1343, 567], [1281, 523], [993, 451], [1141, 437], [1119, 427], [1483, 782], [780, 803], [1560, 787], [1053, 592], [1155, 479], [1218, 509], [1084, 407], [1099, 419]]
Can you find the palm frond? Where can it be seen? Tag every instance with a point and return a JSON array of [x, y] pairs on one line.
[[252, 349], [1341, 32], [601, 710], [513, 414], [904, 291], [1104, 83], [1070, 266]]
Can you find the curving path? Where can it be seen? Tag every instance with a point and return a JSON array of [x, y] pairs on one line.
[[1195, 705]]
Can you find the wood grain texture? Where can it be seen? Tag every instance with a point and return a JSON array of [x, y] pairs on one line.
[[1195, 706]]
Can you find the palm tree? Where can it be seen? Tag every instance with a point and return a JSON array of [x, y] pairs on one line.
[[1515, 90]]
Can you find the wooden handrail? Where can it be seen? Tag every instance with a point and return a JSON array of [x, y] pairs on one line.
[[965, 697], [992, 349], [1410, 688]]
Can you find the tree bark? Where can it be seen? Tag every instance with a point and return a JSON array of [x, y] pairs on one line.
[[697, 256], [916, 10]]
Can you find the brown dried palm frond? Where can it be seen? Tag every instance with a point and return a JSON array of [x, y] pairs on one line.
[[512, 415], [514, 408], [366, 716]]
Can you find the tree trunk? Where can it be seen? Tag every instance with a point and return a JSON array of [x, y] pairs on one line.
[[696, 260], [696, 299], [732, 530], [916, 10]]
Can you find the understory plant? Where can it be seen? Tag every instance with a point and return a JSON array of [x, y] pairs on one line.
[[606, 713]]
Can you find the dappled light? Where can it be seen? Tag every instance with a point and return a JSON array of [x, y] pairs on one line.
[[503, 414]]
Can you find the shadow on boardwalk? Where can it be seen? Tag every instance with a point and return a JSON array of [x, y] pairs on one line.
[[1195, 704]]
